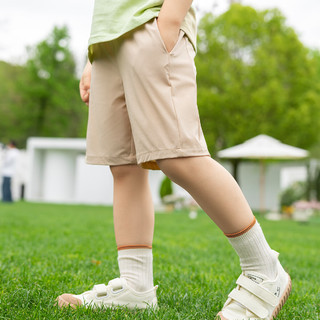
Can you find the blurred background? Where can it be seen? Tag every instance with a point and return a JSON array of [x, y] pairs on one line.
[[258, 74], [258, 67]]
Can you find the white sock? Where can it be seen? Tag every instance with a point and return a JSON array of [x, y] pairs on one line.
[[136, 267], [254, 252]]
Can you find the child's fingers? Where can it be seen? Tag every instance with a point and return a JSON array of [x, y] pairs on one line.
[[85, 94]]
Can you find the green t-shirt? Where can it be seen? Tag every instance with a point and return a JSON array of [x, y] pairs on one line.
[[113, 18]]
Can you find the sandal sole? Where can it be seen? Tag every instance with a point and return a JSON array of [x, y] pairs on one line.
[[283, 299]]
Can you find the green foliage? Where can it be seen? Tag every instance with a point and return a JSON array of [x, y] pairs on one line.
[[313, 183], [297, 191], [317, 184], [255, 76], [46, 97], [53, 96], [165, 187], [10, 102], [48, 249]]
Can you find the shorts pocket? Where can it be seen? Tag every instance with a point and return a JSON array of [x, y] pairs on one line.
[[181, 35]]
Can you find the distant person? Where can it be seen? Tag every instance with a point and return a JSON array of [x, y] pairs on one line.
[[140, 84], [9, 165]]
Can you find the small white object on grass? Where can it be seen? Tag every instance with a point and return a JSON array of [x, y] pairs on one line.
[[193, 214], [273, 216]]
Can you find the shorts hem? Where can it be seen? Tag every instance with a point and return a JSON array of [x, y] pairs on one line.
[[146, 157], [110, 161], [169, 154]]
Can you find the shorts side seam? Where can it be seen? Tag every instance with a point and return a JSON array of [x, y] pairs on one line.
[[172, 100]]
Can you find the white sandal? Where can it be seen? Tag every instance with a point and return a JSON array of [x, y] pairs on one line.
[[116, 293], [256, 297]]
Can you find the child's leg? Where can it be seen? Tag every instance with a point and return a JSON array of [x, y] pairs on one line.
[[220, 197], [264, 286], [132, 206], [133, 224], [213, 188]]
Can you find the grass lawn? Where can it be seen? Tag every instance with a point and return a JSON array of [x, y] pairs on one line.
[[46, 250]]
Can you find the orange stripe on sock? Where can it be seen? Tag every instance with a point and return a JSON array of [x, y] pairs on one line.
[[137, 246], [237, 234]]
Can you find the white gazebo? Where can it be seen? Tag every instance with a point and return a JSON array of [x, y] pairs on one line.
[[261, 148]]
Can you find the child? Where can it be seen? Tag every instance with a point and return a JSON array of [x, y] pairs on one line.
[[9, 166], [143, 115]]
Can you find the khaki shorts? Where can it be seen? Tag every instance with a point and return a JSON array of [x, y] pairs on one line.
[[143, 101]]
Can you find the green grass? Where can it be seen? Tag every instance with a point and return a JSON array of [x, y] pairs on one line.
[[46, 250]]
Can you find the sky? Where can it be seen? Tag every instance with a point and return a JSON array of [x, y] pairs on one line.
[[26, 22]]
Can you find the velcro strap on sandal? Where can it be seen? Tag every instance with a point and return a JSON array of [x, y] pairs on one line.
[[257, 290], [116, 284], [249, 302], [100, 289]]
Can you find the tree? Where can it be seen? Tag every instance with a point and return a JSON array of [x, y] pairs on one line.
[[10, 101], [166, 187], [255, 76], [51, 104]]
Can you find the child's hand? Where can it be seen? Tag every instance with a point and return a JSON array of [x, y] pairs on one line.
[[84, 85]]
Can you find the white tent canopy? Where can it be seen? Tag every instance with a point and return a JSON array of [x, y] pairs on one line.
[[263, 147]]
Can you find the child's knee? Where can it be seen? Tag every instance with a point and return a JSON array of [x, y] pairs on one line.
[[171, 167], [125, 171]]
